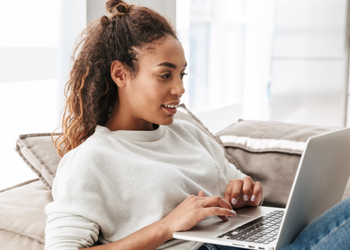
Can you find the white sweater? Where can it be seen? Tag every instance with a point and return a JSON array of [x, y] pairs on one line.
[[118, 182]]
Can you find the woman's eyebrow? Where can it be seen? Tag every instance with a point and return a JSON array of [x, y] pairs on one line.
[[170, 65]]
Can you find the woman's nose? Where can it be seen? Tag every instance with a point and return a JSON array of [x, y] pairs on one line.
[[178, 88]]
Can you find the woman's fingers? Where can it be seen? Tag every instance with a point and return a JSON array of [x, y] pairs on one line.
[[247, 188], [243, 192], [228, 191], [216, 201], [236, 191], [196, 208], [221, 212], [201, 194], [257, 193], [222, 217]]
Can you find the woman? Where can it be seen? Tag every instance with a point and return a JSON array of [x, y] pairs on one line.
[[130, 175]]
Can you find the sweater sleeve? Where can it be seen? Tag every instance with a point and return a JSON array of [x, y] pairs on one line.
[[66, 231], [217, 152], [231, 172], [74, 217]]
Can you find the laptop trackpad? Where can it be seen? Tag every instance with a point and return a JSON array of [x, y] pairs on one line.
[[215, 224]]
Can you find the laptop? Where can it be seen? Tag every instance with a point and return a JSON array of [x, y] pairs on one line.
[[319, 184]]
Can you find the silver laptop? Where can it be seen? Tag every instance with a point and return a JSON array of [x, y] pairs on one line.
[[319, 184]]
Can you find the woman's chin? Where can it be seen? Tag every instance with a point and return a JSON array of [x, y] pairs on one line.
[[169, 120]]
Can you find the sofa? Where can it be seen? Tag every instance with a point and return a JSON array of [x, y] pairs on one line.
[[267, 151]]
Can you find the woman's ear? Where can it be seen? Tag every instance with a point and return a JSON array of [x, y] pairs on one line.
[[118, 73]]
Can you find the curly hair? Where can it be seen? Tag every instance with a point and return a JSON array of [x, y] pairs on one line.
[[90, 91]]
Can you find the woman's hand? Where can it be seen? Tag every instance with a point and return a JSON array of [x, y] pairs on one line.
[[244, 192], [195, 209]]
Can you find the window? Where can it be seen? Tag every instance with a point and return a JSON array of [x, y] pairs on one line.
[[228, 46], [27, 81]]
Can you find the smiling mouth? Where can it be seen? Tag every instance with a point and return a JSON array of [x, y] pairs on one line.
[[171, 109], [170, 106]]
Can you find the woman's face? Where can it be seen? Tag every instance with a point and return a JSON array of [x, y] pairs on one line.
[[152, 95]]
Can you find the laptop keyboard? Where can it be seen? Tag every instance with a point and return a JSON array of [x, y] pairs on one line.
[[262, 230]]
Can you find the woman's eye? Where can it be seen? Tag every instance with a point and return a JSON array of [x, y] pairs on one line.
[[183, 74], [166, 76]]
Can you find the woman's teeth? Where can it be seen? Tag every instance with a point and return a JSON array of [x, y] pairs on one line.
[[170, 106]]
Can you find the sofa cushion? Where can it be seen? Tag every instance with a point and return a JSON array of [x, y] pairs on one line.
[[39, 152], [22, 216], [269, 152]]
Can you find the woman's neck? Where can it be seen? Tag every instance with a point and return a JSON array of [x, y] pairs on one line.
[[124, 121]]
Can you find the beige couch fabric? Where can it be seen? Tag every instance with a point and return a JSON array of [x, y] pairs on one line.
[[22, 216], [40, 154]]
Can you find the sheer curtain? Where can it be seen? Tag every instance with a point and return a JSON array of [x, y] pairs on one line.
[[228, 46]]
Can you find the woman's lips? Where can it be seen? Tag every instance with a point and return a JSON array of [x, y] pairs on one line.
[[170, 110]]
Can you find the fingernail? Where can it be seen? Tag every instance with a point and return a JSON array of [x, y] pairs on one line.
[[253, 198], [233, 212], [234, 201], [245, 197]]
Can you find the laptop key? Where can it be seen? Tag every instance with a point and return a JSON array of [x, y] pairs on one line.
[[234, 237], [258, 241], [241, 238], [263, 229]]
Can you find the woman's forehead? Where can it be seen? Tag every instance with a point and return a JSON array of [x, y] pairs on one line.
[[165, 52]]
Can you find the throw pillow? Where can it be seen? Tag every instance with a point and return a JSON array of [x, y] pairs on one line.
[[40, 154], [269, 152]]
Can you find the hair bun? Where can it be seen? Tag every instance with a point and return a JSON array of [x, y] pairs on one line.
[[104, 21], [117, 8]]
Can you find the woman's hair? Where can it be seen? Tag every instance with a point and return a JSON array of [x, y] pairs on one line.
[[90, 91]]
